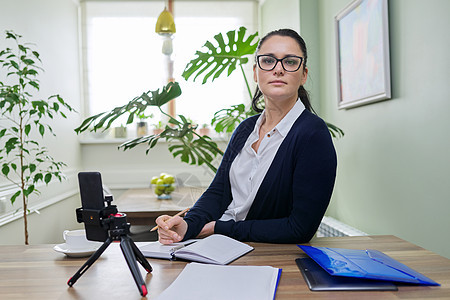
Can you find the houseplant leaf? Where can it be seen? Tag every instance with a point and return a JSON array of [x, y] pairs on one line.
[[137, 106], [220, 55]]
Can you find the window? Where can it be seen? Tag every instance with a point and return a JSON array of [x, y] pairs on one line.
[[123, 55]]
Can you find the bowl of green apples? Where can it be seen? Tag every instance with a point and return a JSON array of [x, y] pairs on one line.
[[163, 185]]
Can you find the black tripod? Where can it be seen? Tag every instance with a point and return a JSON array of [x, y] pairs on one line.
[[118, 230]]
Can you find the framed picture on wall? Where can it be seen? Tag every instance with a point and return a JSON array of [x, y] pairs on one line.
[[362, 53]]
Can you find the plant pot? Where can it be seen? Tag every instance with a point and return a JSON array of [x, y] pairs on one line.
[[157, 131], [204, 131], [120, 132], [141, 129]]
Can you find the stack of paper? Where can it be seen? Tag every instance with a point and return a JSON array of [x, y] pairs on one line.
[[202, 281]]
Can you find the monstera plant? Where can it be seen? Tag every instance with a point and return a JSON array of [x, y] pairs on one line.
[[190, 146], [229, 55], [226, 56], [186, 143]]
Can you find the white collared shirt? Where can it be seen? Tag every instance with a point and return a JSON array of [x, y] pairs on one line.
[[249, 167]]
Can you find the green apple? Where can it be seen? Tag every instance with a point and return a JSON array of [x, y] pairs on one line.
[[159, 192], [154, 179], [169, 179], [169, 189]]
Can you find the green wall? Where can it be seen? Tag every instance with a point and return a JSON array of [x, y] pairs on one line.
[[393, 163]]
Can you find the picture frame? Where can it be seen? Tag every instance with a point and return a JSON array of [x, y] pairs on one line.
[[362, 53]]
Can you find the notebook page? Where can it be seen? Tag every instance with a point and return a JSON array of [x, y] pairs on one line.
[[216, 248], [158, 250]]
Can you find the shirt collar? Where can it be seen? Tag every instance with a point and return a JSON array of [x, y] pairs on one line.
[[286, 123]]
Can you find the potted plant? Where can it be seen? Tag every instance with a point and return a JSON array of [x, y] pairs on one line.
[[193, 147], [227, 56], [141, 125], [120, 132], [187, 144], [25, 163], [158, 128], [204, 129]]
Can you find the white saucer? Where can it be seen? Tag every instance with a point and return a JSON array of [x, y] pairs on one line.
[[77, 252]]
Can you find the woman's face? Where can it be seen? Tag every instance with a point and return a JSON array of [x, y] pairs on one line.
[[278, 85]]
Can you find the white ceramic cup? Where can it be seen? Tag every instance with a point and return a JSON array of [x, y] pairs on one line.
[[76, 239]]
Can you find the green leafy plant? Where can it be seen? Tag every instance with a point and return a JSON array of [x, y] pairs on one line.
[[24, 162], [191, 147], [226, 56]]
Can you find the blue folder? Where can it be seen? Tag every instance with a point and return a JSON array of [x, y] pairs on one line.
[[369, 264]]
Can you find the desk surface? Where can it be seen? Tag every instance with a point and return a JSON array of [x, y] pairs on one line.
[[142, 206], [38, 272]]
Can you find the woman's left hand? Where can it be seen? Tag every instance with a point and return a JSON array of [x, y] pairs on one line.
[[207, 230]]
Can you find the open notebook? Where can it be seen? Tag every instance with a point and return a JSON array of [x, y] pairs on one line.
[[201, 281], [214, 249]]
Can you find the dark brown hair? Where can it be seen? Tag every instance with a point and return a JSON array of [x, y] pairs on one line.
[[302, 93]]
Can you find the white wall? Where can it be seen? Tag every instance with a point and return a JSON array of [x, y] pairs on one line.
[[52, 25], [133, 168]]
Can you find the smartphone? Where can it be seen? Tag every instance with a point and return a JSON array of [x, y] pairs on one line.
[[92, 201]]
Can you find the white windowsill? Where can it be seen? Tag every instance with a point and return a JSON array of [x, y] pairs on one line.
[[86, 140]]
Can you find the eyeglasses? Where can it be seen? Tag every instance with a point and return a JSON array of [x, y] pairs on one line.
[[289, 63]]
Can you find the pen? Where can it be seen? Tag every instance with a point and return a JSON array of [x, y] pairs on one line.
[[178, 214]]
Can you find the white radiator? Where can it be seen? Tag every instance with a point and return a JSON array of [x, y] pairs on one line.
[[332, 227]]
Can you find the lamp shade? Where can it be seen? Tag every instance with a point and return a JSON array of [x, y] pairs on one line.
[[165, 23]]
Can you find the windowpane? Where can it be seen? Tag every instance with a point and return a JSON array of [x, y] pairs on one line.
[[123, 54], [200, 101]]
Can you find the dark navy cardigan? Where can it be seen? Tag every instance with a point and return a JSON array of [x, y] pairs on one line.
[[293, 196]]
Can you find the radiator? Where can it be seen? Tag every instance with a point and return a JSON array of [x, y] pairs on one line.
[[332, 227]]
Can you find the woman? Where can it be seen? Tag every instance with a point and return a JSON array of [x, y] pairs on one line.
[[277, 175]]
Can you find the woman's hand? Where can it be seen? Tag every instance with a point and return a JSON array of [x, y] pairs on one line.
[[207, 230], [171, 230]]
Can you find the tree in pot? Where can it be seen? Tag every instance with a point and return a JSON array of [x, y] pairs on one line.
[[25, 163]]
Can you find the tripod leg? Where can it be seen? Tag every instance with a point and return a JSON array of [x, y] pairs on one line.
[[89, 262], [140, 257], [125, 245]]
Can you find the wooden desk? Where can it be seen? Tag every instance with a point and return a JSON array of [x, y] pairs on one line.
[[38, 272], [142, 206]]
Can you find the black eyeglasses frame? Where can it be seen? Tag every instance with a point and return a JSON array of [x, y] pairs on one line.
[[279, 60]]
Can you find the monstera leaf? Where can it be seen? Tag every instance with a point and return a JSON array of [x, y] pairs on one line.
[[216, 59], [135, 107], [192, 148], [188, 144], [226, 119]]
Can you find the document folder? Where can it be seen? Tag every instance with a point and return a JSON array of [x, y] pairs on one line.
[[318, 279], [369, 264]]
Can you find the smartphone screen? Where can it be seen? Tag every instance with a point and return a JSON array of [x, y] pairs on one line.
[[92, 200], [91, 190]]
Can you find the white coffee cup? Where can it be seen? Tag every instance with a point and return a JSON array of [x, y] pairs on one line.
[[76, 239]]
